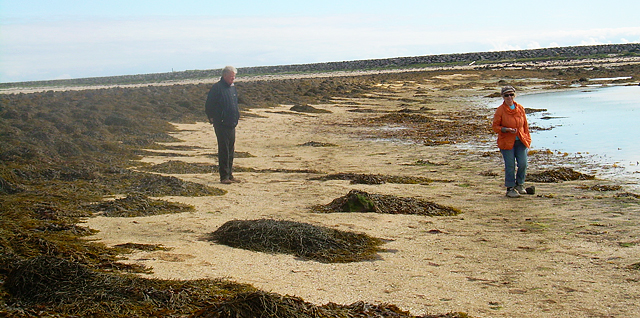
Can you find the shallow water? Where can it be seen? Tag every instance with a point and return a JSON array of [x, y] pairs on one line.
[[601, 123]]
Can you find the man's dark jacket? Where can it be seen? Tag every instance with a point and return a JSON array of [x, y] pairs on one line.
[[222, 105]]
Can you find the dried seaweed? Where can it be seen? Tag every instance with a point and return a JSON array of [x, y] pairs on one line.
[[308, 109], [628, 195], [142, 247], [433, 130], [558, 175], [181, 167], [270, 305], [317, 144], [601, 187], [360, 201], [359, 178], [138, 205], [157, 185], [300, 239]]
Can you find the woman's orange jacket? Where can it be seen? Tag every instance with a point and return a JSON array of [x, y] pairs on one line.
[[511, 118]]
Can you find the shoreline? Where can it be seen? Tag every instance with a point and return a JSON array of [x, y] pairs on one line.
[[552, 64]]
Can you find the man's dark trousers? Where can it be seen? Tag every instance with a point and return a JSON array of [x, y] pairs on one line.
[[226, 147]]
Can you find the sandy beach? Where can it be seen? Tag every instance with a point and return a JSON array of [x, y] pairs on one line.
[[564, 252]]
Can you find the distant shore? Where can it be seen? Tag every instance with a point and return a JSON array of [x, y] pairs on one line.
[[545, 57]]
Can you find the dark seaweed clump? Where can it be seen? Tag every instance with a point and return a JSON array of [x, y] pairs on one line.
[[308, 109], [138, 205], [317, 144], [181, 167], [601, 187], [360, 201], [300, 239], [359, 178], [558, 175], [67, 289]]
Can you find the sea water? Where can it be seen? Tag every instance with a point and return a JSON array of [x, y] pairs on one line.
[[601, 123]]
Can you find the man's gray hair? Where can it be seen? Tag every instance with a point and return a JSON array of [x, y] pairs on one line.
[[229, 69]]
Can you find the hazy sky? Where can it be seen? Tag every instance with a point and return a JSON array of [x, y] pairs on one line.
[[55, 39]]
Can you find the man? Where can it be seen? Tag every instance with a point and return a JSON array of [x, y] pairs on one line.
[[223, 113]]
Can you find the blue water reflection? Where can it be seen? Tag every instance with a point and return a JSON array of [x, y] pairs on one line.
[[601, 121]]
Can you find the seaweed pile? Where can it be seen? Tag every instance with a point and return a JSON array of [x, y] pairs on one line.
[[359, 178], [360, 201], [52, 286], [317, 144], [181, 167], [601, 187], [308, 109], [270, 305], [558, 175], [304, 240], [138, 205]]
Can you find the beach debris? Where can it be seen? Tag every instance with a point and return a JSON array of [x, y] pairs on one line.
[[558, 175], [530, 190], [360, 201], [359, 178], [138, 205], [304, 240]]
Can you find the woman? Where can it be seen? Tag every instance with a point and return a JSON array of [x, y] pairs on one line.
[[510, 123]]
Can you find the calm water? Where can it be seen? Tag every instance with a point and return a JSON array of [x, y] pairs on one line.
[[602, 123]]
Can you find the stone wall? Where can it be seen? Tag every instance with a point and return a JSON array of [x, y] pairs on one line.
[[551, 53]]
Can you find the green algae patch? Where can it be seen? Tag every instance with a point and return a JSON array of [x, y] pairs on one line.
[[304, 240], [360, 201], [138, 205]]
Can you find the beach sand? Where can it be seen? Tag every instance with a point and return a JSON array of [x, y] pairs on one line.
[[564, 252]]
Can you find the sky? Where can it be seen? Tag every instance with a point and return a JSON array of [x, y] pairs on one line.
[[62, 39]]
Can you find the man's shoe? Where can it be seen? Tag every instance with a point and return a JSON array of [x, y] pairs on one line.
[[520, 189], [512, 193], [235, 180], [225, 181]]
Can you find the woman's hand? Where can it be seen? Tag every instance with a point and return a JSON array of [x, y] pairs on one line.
[[509, 130]]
